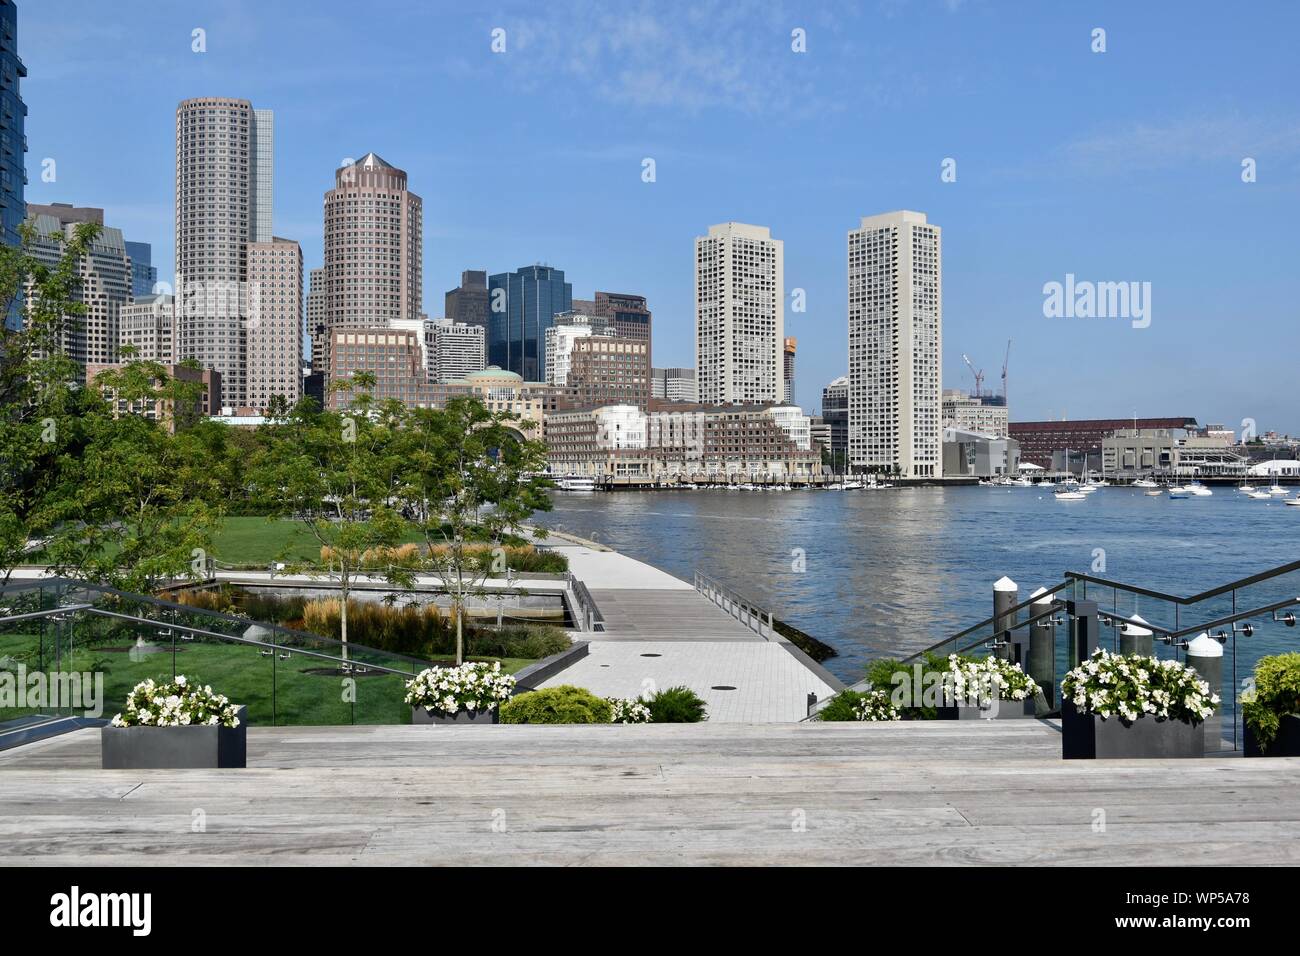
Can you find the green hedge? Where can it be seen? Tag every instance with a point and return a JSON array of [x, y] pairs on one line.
[[677, 705], [557, 705]]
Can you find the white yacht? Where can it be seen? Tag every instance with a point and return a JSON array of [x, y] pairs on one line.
[[1259, 495], [1276, 489], [1199, 490], [1145, 483], [575, 483], [1068, 494], [1293, 502], [1155, 492], [1178, 491]]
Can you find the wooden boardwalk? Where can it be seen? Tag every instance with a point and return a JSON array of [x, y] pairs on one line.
[[653, 615], [928, 793]]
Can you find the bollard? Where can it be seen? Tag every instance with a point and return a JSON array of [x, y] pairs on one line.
[[1042, 650], [1205, 656], [1135, 639], [1006, 595]]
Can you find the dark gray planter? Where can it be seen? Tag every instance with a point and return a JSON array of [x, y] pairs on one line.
[[1007, 709], [421, 716], [1085, 737], [175, 748], [1285, 744]]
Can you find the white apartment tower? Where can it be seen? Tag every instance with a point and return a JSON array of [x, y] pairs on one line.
[[224, 188], [373, 247], [274, 322], [454, 350], [739, 315], [895, 285]]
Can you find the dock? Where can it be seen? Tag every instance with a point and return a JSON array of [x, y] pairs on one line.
[[954, 793]]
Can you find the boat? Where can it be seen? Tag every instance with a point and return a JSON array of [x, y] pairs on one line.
[[1199, 490], [1178, 491], [1276, 489], [1245, 487], [1145, 483], [1045, 483], [575, 483], [1070, 491], [1293, 502], [1259, 495], [1154, 492]]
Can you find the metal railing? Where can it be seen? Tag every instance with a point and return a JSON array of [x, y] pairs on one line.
[[748, 613], [588, 616]]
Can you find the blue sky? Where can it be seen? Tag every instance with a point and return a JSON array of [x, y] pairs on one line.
[[1115, 166]]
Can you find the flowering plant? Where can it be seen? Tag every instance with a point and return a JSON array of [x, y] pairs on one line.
[[628, 711], [984, 679], [474, 685], [1131, 686], [175, 703], [875, 705]]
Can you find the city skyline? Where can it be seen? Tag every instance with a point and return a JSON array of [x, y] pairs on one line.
[[1097, 186]]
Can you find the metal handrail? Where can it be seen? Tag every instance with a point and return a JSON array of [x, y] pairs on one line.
[[987, 622], [708, 587], [1193, 599]]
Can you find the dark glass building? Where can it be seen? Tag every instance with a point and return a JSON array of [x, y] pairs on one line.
[[143, 272], [523, 305], [13, 137]]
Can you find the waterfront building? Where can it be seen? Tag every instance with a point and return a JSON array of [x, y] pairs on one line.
[[607, 370], [973, 454], [468, 302], [790, 345], [986, 414], [627, 315], [895, 293], [1038, 440], [739, 315], [224, 185], [819, 430], [835, 412], [791, 420], [161, 410], [674, 384], [148, 325], [701, 443], [523, 305], [275, 323], [454, 349], [1135, 452], [395, 356], [144, 275], [105, 280], [374, 248], [13, 135]]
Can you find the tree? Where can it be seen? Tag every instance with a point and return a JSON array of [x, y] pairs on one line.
[[470, 484], [138, 503], [334, 473], [42, 406]]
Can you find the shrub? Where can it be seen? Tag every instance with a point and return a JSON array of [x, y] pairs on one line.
[[531, 641], [977, 679], [557, 705], [1276, 694], [408, 629], [859, 706], [628, 711], [677, 705], [178, 702], [1132, 686], [911, 701], [471, 686]]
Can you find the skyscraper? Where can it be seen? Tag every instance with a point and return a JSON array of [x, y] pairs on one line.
[[523, 306], [791, 343], [628, 315], [895, 286], [274, 322], [454, 349], [13, 114], [374, 247], [835, 414], [468, 302], [224, 188], [143, 272], [317, 319], [739, 315], [105, 280], [147, 324]]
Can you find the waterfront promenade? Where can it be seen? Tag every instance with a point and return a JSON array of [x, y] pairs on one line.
[[660, 632], [941, 792]]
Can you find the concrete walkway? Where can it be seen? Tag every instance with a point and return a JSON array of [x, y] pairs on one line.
[[660, 632], [940, 792]]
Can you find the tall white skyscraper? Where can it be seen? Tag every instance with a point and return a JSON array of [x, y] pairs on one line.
[[454, 350], [224, 187], [895, 344], [739, 315]]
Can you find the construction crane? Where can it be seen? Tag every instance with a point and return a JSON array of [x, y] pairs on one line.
[[979, 375], [1005, 360]]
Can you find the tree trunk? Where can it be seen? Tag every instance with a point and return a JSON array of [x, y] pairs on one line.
[[460, 637]]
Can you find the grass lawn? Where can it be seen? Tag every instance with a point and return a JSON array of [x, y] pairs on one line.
[[258, 541], [276, 690]]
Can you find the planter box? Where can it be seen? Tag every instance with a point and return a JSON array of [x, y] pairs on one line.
[[1285, 744], [420, 715], [175, 748], [1007, 709], [1084, 737]]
